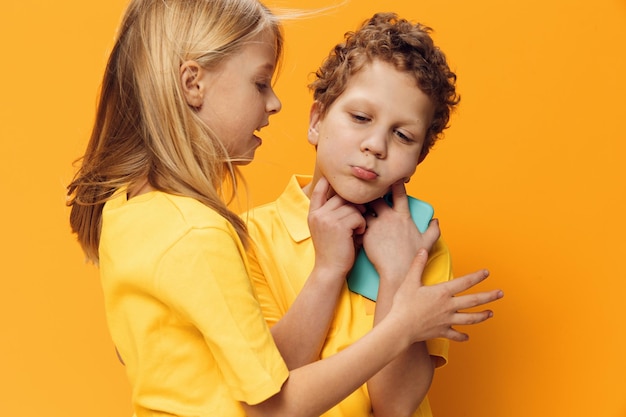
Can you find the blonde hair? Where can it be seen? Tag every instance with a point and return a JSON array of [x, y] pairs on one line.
[[143, 126]]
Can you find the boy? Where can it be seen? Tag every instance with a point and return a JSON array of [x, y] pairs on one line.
[[381, 100]]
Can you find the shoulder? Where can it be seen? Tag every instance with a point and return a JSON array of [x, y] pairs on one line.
[[190, 211], [258, 217], [197, 227], [193, 241], [161, 219]]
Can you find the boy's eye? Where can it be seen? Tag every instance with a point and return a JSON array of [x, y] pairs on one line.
[[360, 118], [402, 136], [262, 85]]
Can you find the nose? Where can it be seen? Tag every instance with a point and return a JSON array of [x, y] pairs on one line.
[[375, 144], [273, 104]]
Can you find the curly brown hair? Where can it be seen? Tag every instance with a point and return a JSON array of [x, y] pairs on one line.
[[406, 45]]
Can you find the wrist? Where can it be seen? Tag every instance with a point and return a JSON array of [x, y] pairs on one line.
[[329, 276], [395, 324], [392, 277]]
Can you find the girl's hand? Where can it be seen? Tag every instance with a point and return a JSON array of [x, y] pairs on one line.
[[433, 310], [392, 239], [334, 224]]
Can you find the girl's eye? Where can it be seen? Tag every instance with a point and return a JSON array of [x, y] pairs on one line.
[[263, 83]]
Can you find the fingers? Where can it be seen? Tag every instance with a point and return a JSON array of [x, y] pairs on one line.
[[360, 225], [334, 211], [458, 285], [433, 232], [455, 335], [318, 196], [469, 301], [464, 302], [399, 200], [461, 319], [417, 267], [465, 319], [321, 197], [465, 282], [472, 318]]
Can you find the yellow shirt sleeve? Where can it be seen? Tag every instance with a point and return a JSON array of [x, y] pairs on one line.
[[217, 299], [181, 309], [438, 269]]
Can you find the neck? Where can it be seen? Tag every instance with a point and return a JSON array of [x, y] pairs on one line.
[[308, 189]]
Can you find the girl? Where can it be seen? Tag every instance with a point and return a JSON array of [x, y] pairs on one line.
[[187, 85]]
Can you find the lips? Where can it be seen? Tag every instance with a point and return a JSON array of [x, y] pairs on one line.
[[257, 139], [364, 173]]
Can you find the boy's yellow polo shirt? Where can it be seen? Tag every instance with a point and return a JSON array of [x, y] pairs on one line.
[[182, 311], [281, 259]]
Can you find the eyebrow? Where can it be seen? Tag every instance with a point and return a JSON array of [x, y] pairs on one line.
[[362, 99], [267, 66]]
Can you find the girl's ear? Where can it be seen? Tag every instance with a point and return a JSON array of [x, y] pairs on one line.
[[315, 116], [190, 74]]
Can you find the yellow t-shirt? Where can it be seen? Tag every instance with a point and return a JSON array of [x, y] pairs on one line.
[[281, 260], [181, 309]]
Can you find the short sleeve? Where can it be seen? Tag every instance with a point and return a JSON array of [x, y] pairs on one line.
[[438, 270], [204, 278]]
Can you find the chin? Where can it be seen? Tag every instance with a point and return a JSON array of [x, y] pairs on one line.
[[242, 160], [354, 197]]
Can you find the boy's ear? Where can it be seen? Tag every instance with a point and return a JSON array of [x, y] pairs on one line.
[[190, 75], [314, 120]]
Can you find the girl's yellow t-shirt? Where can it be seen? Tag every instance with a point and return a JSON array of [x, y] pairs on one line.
[[181, 309]]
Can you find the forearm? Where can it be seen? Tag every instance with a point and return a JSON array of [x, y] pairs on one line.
[[301, 333], [315, 388], [400, 387]]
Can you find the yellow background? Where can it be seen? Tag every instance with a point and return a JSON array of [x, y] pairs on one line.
[[529, 182]]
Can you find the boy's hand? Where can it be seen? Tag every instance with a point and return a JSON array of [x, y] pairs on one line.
[[433, 310], [334, 224], [392, 239]]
